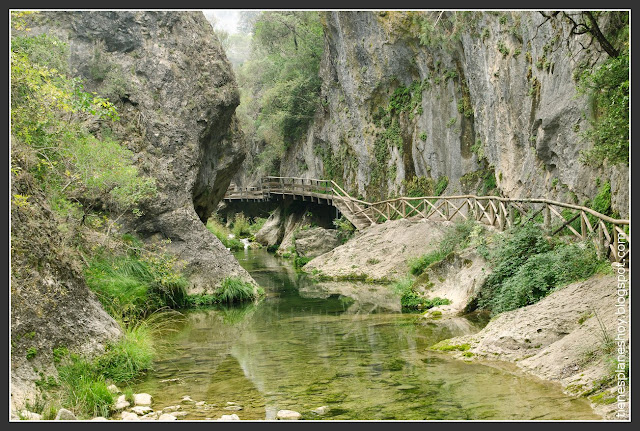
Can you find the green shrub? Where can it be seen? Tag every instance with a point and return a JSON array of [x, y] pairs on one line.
[[241, 226], [527, 267], [300, 261], [132, 286], [83, 389], [127, 358], [234, 289], [31, 352]]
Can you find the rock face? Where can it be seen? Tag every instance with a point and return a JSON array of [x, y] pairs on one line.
[[499, 104], [176, 96], [315, 241], [561, 337], [51, 306]]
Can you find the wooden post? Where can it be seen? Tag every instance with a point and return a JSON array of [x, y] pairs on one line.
[[502, 216], [583, 225], [512, 215], [616, 241], [492, 218], [601, 250], [547, 219], [446, 208], [404, 208]]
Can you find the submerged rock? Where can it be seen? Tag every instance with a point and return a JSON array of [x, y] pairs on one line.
[[321, 410], [290, 415], [233, 417]]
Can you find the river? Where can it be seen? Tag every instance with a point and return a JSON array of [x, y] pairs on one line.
[[345, 346]]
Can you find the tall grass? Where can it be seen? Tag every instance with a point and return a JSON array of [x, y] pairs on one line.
[[131, 286], [234, 289], [410, 299], [220, 231]]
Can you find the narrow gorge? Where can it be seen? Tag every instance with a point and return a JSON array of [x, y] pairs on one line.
[[430, 209]]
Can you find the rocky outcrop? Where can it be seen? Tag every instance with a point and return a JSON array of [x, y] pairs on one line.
[[176, 96], [458, 278], [380, 252], [566, 337], [500, 103], [51, 306], [314, 241]]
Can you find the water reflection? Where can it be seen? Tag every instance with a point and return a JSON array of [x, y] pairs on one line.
[[345, 346]]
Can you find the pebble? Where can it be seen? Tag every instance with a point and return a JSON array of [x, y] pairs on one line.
[[141, 410], [321, 410], [65, 415], [200, 403], [178, 414], [113, 389], [30, 416], [233, 417], [187, 400], [121, 403], [170, 409], [142, 399], [288, 415], [234, 408], [128, 416], [167, 417]]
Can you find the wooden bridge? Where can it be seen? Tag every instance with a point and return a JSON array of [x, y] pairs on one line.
[[611, 236]]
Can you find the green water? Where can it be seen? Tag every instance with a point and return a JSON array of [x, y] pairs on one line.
[[340, 345]]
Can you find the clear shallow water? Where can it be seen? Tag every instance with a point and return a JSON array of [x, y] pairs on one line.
[[305, 346]]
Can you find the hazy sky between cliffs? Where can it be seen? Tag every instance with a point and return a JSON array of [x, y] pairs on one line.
[[226, 20]]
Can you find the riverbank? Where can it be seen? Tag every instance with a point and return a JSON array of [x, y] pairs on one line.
[[568, 337]]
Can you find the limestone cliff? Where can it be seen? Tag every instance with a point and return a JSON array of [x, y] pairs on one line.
[[176, 95], [499, 104]]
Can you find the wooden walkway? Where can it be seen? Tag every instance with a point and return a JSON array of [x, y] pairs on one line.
[[611, 236]]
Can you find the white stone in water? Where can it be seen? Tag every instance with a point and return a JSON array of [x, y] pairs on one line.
[[169, 409], [142, 399], [128, 416], [234, 408], [113, 389], [187, 400], [178, 414], [321, 410], [141, 410], [233, 417], [167, 417], [121, 403], [65, 415], [231, 403], [288, 415], [200, 403]]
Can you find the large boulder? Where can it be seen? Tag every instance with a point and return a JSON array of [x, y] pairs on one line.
[[176, 95], [314, 241]]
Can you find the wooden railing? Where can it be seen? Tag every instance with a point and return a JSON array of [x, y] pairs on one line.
[[611, 236]]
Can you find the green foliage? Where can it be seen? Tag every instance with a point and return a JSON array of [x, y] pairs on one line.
[[608, 86], [83, 388], [59, 353], [31, 353], [48, 115], [280, 82], [300, 261], [130, 356], [241, 226], [419, 186], [527, 267], [446, 346], [502, 48], [456, 237], [130, 286], [441, 185], [423, 136], [344, 227], [220, 231], [234, 289]]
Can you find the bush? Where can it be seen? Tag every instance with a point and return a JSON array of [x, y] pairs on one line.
[[526, 268], [234, 289], [83, 388], [130, 286], [409, 298], [129, 357], [241, 226]]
